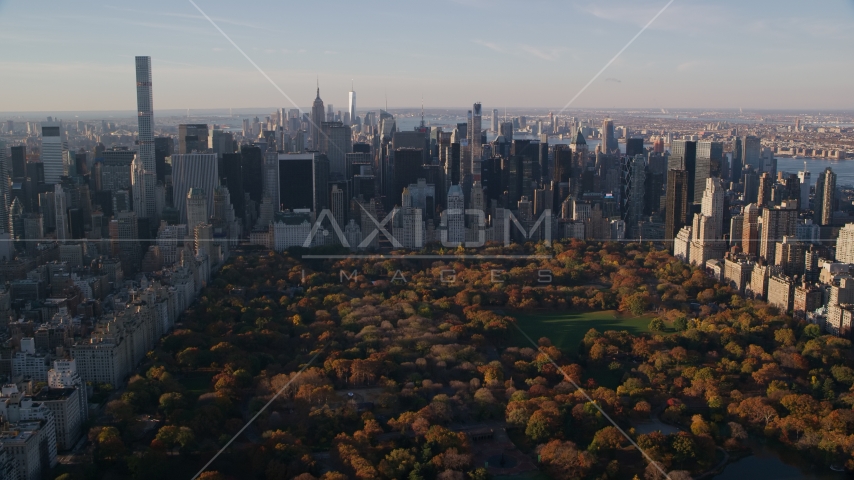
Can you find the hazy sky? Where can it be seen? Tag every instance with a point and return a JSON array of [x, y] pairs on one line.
[[78, 55]]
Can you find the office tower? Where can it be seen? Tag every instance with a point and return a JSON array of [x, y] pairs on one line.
[[16, 223], [678, 203], [579, 164], [476, 131], [351, 106], [253, 172], [633, 191], [145, 121], [114, 171], [750, 180], [712, 207], [684, 156], [454, 216], [825, 193], [318, 116], [192, 138], [164, 147], [408, 168], [776, 224], [18, 162], [222, 143], [806, 183], [737, 162], [302, 181], [231, 174], [337, 204], [710, 157], [562, 173], [765, 184], [609, 139], [634, 146], [750, 230], [52, 152], [494, 121], [751, 152], [194, 170], [336, 143], [507, 131], [197, 207]]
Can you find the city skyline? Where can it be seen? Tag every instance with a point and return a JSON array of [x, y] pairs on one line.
[[673, 64]]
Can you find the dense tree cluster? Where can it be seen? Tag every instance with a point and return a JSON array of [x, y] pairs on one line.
[[428, 346]]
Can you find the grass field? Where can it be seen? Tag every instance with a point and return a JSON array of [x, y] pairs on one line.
[[566, 330]]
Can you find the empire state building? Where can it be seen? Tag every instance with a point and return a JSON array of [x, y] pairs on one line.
[[318, 116]]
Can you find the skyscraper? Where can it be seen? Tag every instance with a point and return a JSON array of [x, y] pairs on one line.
[[454, 216], [825, 192], [806, 183], [677, 203], [634, 188], [713, 207], [351, 106], [750, 229], [476, 142], [737, 161], [18, 163], [751, 151], [192, 138], [336, 143], [609, 139], [302, 181], [776, 224], [684, 157], [194, 170], [318, 116], [145, 121], [52, 152], [495, 120], [197, 207], [61, 212]]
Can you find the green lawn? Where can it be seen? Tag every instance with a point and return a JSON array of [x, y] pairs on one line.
[[566, 330]]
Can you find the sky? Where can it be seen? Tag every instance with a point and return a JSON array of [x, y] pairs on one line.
[[756, 54]]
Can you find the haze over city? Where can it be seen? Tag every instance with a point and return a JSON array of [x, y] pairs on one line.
[[74, 56]]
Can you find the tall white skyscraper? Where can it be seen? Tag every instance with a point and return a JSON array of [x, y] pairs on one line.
[[193, 170], [52, 152], [145, 116], [494, 120], [351, 106], [713, 207], [806, 181]]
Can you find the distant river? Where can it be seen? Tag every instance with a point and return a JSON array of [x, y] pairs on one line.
[[844, 169]]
